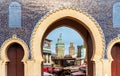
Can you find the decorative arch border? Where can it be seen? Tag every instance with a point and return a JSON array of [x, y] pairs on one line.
[[109, 47], [5, 45], [109, 55], [88, 22], [4, 58]]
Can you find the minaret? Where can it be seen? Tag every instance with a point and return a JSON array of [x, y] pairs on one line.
[[60, 47], [71, 49], [81, 51]]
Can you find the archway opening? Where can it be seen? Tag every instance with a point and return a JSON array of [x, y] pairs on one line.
[[115, 52], [15, 66], [83, 31]]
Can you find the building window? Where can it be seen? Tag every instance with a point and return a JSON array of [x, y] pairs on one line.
[[116, 14], [14, 14]]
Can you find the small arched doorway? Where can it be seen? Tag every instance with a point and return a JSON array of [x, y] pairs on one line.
[[15, 66], [115, 51]]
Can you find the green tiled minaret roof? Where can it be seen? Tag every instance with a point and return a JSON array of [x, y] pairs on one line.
[[59, 42]]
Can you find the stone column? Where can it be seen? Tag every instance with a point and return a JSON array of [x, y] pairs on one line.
[[98, 67], [47, 58], [0, 68], [50, 59], [107, 67], [30, 68], [37, 68], [3, 68]]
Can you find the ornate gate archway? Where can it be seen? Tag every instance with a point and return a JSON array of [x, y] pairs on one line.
[[82, 18]]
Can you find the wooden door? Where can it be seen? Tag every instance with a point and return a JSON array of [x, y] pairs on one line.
[[15, 54], [116, 60]]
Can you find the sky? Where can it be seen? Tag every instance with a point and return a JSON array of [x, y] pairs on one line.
[[68, 35]]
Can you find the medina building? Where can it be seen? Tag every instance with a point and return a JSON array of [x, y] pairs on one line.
[[24, 24]]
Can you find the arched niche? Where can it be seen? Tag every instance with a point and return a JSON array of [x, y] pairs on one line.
[[14, 39], [113, 55], [4, 58], [14, 14]]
